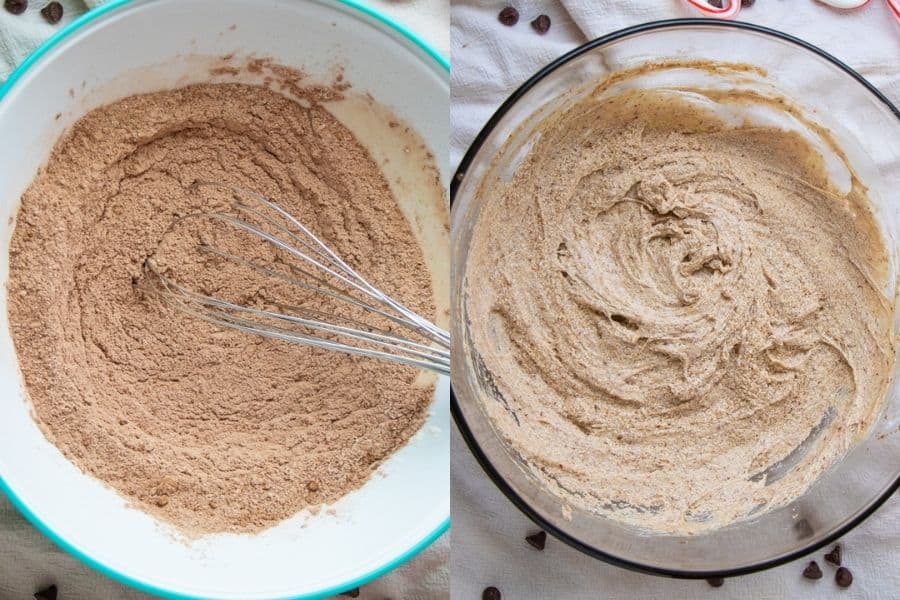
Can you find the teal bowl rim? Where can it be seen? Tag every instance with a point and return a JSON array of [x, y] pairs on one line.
[[69, 547]]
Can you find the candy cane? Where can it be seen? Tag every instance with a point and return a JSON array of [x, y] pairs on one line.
[[895, 8], [845, 4], [726, 12]]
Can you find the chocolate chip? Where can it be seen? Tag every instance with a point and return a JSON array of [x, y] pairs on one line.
[[715, 581], [715, 3], [53, 12], [508, 16], [46, 593], [747, 3], [354, 593], [312, 486], [16, 7], [834, 557], [843, 577], [541, 24], [490, 593], [812, 570], [537, 540]]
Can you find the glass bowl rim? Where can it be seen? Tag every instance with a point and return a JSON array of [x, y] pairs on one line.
[[455, 409]]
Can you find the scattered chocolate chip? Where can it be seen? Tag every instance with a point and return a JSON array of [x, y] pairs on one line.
[[490, 593], [508, 16], [541, 24], [16, 7], [354, 593], [715, 3], [812, 570], [46, 594], [834, 557], [747, 3], [843, 577], [538, 540], [312, 486], [715, 581], [53, 12]]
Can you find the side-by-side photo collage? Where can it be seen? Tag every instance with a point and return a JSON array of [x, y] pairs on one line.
[[449, 299]]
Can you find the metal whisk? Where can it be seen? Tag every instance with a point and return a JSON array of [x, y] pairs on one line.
[[314, 267]]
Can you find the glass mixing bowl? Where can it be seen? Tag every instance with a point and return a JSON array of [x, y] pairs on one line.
[[867, 127]]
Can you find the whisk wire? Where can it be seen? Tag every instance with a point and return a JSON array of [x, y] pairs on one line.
[[324, 288], [343, 266], [329, 274], [415, 354]]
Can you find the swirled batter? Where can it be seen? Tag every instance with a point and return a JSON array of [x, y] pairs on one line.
[[683, 322]]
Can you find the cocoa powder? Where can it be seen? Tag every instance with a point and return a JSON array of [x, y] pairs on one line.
[[209, 429]]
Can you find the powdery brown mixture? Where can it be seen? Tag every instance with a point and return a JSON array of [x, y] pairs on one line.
[[210, 430], [667, 308]]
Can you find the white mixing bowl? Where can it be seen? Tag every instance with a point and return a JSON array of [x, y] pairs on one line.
[[133, 46]]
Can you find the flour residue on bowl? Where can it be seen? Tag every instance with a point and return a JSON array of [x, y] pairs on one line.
[[683, 320], [210, 430]]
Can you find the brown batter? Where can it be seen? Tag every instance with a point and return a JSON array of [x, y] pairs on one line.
[[669, 308], [211, 430]]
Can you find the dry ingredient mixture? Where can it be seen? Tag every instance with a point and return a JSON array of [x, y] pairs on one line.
[[682, 322], [211, 430]]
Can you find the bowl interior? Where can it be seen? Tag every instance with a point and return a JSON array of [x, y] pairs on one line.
[[866, 128], [118, 52]]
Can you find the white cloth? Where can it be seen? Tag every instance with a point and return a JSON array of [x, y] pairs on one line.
[[428, 18], [28, 561], [489, 62], [19, 34]]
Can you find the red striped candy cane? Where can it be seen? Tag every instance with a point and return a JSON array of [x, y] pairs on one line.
[[894, 5], [728, 11]]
